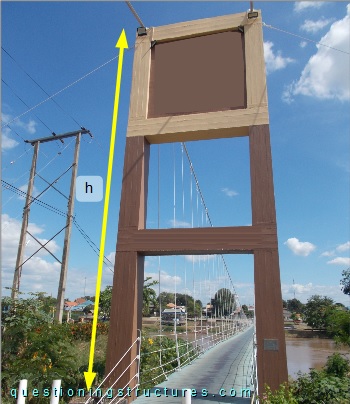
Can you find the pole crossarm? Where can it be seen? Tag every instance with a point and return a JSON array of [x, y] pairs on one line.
[[51, 184], [43, 246], [82, 131], [202, 240]]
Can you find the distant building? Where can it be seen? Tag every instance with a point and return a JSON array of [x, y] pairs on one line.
[[81, 306], [80, 300], [174, 315], [69, 305], [287, 315]]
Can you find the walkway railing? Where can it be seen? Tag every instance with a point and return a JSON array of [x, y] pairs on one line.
[[95, 396], [254, 371], [184, 353], [185, 350]]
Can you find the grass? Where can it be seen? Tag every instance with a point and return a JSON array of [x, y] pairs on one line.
[[81, 350]]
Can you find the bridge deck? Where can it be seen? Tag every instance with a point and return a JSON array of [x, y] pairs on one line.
[[226, 366]]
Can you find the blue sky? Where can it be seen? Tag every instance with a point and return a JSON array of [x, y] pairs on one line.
[[308, 90]]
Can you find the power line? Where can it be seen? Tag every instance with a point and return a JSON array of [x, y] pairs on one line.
[[68, 86], [48, 163], [305, 39], [53, 209], [13, 91], [16, 159], [21, 193], [92, 244], [41, 88], [13, 131]]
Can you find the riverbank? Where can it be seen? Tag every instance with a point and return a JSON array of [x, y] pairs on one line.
[[306, 333]]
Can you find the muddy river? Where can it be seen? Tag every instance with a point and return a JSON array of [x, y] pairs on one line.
[[306, 353]]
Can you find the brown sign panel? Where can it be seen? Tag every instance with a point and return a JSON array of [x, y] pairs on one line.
[[197, 80], [200, 74]]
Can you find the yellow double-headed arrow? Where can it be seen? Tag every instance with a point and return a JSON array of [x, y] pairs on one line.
[[121, 44]]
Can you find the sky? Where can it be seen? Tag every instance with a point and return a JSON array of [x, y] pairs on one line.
[[59, 43]]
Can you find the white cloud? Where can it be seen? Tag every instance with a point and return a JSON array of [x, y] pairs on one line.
[[24, 188], [179, 223], [303, 248], [274, 61], [229, 192], [167, 281], [111, 257], [326, 75], [10, 239], [343, 247], [315, 26], [339, 248], [327, 254], [29, 127], [303, 44], [7, 141], [340, 261], [299, 288], [304, 292], [304, 5], [199, 258]]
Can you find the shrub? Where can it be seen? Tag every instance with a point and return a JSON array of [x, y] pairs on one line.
[[316, 387], [155, 364], [83, 331], [33, 348], [282, 396], [337, 365]]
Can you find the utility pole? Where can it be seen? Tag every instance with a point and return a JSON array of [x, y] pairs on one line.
[[294, 288], [25, 220], [66, 245], [69, 220]]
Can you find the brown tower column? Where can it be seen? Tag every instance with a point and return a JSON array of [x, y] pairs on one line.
[[126, 308], [272, 366]]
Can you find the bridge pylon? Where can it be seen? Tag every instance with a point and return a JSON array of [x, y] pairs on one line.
[[172, 104]]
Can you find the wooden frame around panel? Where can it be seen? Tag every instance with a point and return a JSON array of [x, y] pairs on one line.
[[200, 126]]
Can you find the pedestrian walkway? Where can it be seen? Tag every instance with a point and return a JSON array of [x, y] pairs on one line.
[[223, 370]]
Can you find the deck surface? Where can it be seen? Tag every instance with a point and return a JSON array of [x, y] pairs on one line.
[[225, 366]]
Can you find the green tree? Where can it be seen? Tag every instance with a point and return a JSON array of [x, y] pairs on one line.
[[338, 325], [223, 302], [317, 311], [345, 281], [48, 302], [295, 306], [193, 307], [164, 298], [247, 312], [149, 295], [106, 301]]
